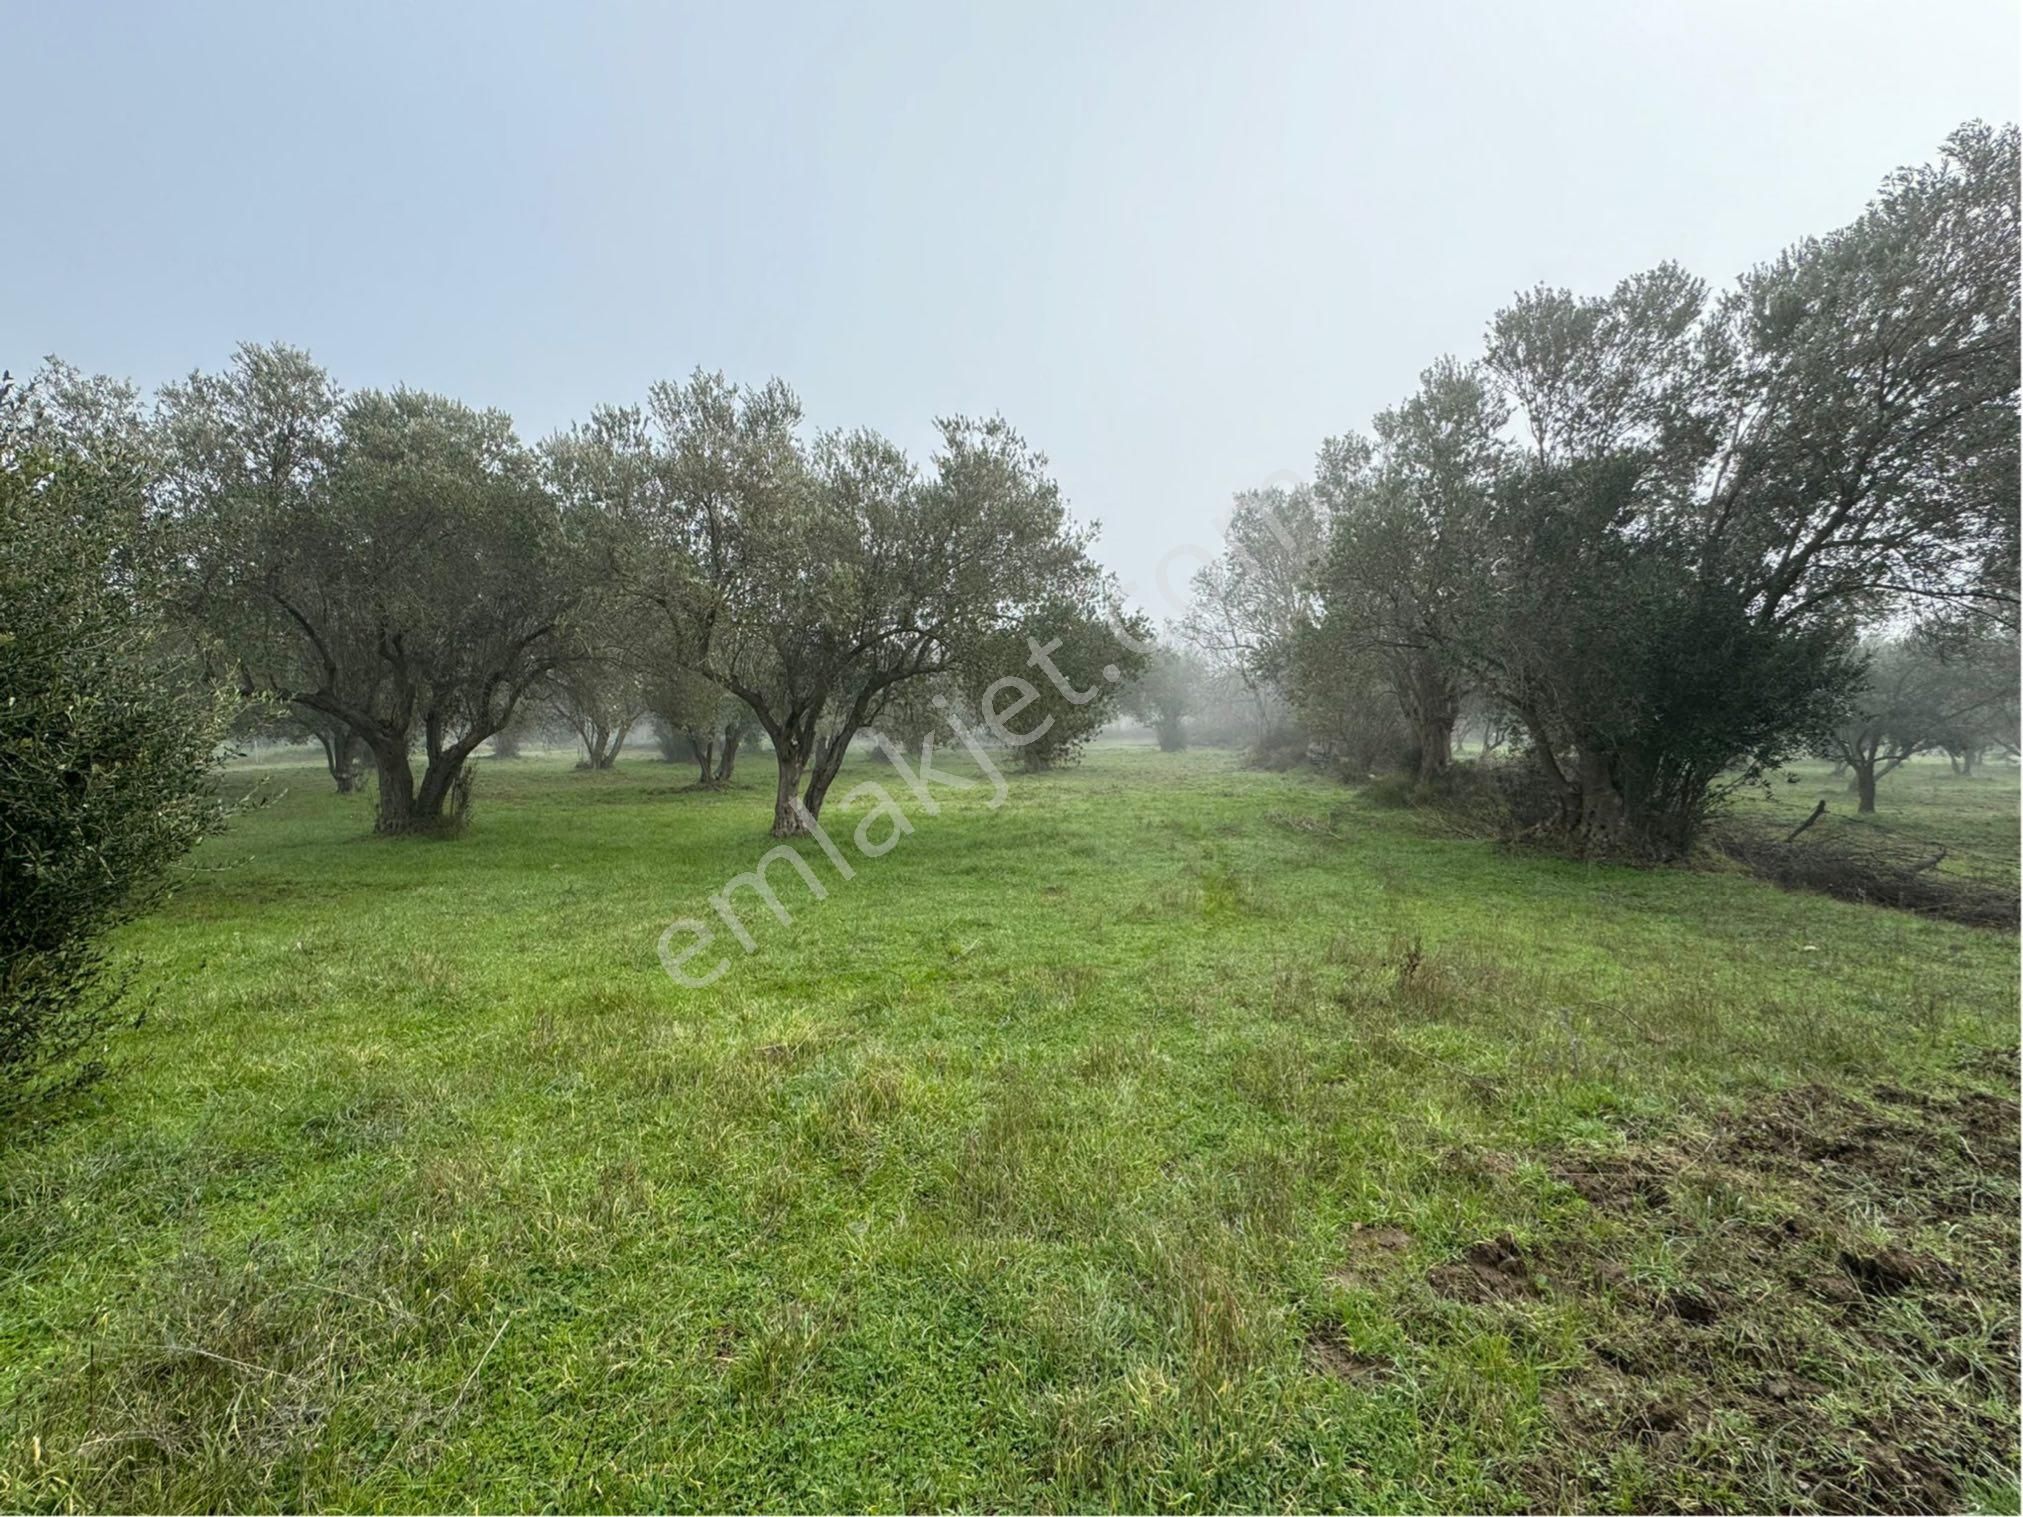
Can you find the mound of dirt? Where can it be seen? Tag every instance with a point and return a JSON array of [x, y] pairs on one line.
[[1853, 865], [1496, 1270]]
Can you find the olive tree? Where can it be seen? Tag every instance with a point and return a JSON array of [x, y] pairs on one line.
[[599, 697], [1407, 512], [1974, 661], [1936, 687], [1710, 495], [698, 715], [391, 561], [1167, 691], [264, 721], [1891, 718], [1047, 684], [812, 579]]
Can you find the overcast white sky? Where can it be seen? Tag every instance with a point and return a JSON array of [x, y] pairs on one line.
[[1175, 244]]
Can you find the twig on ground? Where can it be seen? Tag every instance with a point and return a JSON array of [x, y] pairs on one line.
[[471, 1378], [1817, 812]]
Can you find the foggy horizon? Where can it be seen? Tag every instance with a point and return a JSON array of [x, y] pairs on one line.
[[1175, 248]]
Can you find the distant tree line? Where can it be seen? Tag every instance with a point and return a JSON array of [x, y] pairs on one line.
[[1660, 541]]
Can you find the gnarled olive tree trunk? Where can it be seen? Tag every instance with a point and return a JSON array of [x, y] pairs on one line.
[[1869, 761], [801, 749], [802, 755], [727, 761], [340, 753], [1607, 804], [438, 803], [1864, 788], [787, 821], [396, 787], [602, 742], [1432, 706]]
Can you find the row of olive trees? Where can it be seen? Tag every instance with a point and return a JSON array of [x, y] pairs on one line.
[[1644, 531], [400, 575]]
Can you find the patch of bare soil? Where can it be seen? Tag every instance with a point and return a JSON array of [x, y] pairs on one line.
[[1839, 1332], [1331, 1353], [1369, 1254], [1615, 1180], [1496, 1270]]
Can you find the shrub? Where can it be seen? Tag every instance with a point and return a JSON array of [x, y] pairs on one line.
[[106, 748], [1370, 739], [1285, 746], [1393, 792]]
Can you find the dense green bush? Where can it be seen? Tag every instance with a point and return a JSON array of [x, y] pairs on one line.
[[106, 746]]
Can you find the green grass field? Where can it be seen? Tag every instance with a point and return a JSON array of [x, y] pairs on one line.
[[1174, 1137]]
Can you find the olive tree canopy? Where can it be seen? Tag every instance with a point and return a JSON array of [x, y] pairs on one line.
[[390, 560], [811, 579]]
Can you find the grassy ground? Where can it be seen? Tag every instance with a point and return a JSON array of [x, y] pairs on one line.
[[1174, 1137]]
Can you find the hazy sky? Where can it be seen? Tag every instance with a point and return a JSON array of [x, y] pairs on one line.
[[1176, 245]]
